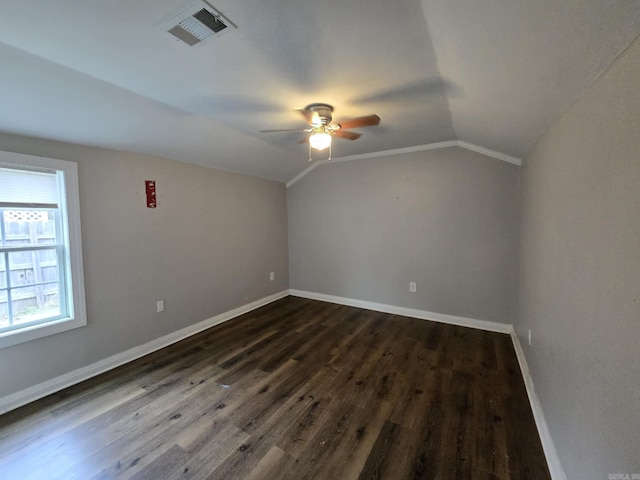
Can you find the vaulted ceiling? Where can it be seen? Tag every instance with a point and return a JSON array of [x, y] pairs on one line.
[[494, 73]]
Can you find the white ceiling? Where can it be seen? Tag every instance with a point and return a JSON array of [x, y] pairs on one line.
[[494, 73]]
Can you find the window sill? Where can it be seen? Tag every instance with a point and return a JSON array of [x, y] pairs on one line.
[[34, 332]]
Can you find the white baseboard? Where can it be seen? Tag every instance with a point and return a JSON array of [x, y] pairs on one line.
[[18, 399], [407, 312], [550, 452]]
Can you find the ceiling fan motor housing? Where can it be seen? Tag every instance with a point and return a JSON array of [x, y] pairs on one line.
[[323, 110]]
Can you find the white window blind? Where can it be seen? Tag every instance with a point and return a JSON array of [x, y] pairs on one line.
[[28, 187]]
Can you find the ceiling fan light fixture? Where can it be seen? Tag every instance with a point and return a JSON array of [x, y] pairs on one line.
[[320, 140]]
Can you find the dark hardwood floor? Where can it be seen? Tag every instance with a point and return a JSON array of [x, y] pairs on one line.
[[298, 389]]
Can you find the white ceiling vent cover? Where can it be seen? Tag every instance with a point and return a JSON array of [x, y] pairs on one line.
[[197, 23]]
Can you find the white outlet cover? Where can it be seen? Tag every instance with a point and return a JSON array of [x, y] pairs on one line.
[[272, 276], [160, 306], [412, 286]]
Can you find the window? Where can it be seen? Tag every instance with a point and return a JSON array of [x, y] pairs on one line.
[[41, 282]]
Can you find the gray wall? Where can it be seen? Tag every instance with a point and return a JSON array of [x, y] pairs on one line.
[[580, 275], [207, 248], [446, 219]]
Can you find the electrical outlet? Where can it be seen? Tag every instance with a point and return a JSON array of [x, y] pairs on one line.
[[529, 336], [160, 306], [412, 287], [272, 276]]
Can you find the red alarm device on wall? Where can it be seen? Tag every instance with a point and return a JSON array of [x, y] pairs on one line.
[[150, 188]]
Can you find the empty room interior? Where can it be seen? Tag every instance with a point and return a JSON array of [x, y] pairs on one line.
[[320, 240]]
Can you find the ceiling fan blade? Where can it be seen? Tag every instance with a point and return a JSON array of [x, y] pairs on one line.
[[346, 134], [286, 130], [368, 121]]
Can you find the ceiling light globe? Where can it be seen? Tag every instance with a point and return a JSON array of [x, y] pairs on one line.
[[320, 141]]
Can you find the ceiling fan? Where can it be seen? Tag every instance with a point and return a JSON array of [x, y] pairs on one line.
[[322, 128]]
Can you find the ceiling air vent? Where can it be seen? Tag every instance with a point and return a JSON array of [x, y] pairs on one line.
[[196, 24], [210, 20]]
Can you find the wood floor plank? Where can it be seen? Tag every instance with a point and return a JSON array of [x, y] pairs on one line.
[[243, 460], [390, 454], [165, 465], [214, 443], [46, 428], [270, 466], [296, 389]]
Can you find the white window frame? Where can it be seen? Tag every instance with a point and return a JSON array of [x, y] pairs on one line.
[[73, 269]]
